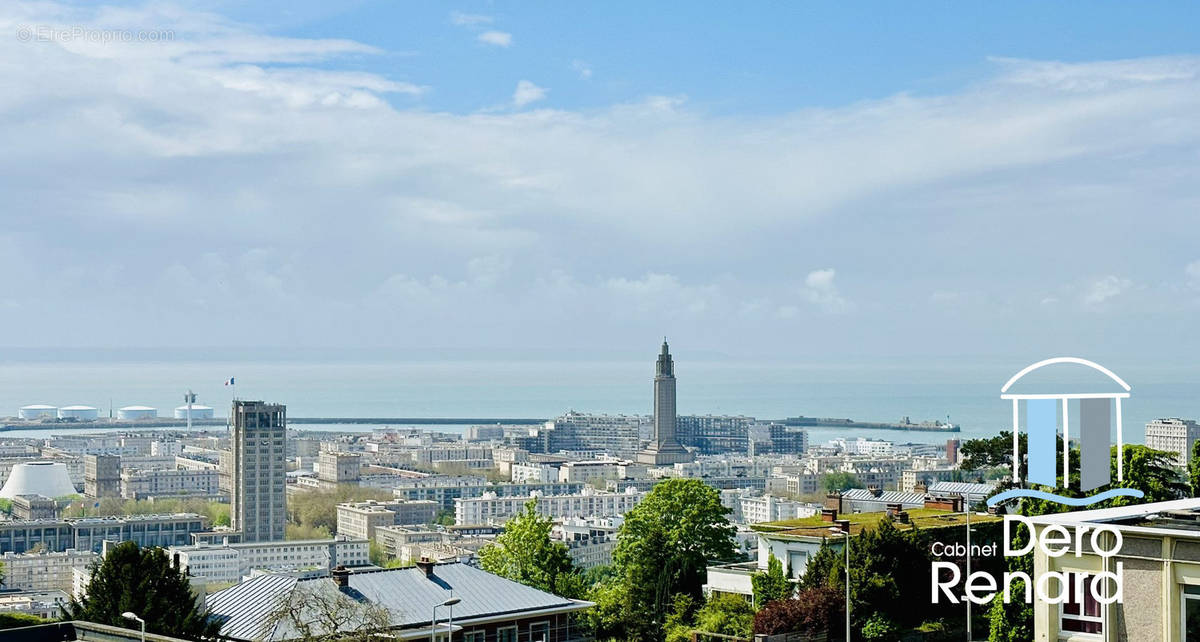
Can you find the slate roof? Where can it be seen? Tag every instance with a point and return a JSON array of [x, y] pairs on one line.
[[885, 497], [407, 593], [957, 488]]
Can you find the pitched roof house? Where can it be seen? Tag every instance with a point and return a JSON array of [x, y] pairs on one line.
[[490, 608]]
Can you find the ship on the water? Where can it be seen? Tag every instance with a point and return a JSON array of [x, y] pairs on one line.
[[904, 424]]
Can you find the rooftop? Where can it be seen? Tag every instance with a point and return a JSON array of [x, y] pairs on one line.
[[408, 594], [920, 517], [1177, 518]]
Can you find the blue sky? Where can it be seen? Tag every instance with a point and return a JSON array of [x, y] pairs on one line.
[[811, 180], [772, 58]]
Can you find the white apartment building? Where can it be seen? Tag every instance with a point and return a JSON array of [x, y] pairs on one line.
[[770, 508], [491, 509], [1173, 435], [166, 448], [586, 471], [44, 604], [138, 484], [44, 571], [535, 472], [427, 456], [231, 562], [909, 479], [360, 519]]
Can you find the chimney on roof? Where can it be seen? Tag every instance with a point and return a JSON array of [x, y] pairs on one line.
[[944, 503], [340, 576], [834, 500], [902, 516], [426, 565], [829, 515], [875, 490], [843, 524]]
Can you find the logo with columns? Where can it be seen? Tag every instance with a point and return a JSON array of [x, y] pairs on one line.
[[1044, 414]]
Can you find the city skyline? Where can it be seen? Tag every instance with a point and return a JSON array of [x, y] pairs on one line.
[[430, 183]]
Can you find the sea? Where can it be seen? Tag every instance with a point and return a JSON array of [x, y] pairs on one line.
[[964, 391]]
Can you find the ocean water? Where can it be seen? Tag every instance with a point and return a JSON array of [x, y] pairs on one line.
[[964, 390]]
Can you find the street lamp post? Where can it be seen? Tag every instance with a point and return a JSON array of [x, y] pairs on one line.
[[846, 546], [433, 621], [130, 615], [968, 511]]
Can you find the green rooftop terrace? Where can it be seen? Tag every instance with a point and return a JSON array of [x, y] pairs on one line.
[[920, 517]]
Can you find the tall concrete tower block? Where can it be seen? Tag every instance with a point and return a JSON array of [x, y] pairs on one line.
[[258, 501]]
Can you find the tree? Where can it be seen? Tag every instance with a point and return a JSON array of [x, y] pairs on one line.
[[887, 566], [298, 531], [880, 627], [525, 553], [993, 452], [318, 508], [837, 482], [1151, 471], [142, 580], [317, 611], [723, 614], [1013, 621], [1194, 469], [612, 617], [812, 612], [771, 585], [665, 546]]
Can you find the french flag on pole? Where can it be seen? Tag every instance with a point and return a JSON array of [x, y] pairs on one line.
[[229, 381]]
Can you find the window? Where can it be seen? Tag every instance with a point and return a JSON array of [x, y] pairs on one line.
[[474, 636], [1080, 613], [797, 561], [1191, 613], [539, 632], [506, 634]]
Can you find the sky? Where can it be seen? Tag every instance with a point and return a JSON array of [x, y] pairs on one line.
[[813, 181]]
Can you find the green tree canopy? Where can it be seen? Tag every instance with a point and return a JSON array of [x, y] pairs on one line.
[[142, 580], [665, 545], [525, 553], [722, 613], [837, 482], [1194, 469], [771, 585], [887, 567], [993, 452]]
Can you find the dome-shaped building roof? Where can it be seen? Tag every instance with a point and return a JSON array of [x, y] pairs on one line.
[[38, 478]]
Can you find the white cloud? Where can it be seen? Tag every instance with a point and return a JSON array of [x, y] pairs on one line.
[[1193, 273], [495, 38], [225, 140], [527, 92], [820, 290], [469, 19], [582, 68], [1103, 289]]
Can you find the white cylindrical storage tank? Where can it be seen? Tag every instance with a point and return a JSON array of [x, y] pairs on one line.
[[198, 412], [137, 412], [38, 411], [82, 413], [38, 478]]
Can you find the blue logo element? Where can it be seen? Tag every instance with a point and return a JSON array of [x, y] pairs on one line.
[[1096, 413]]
